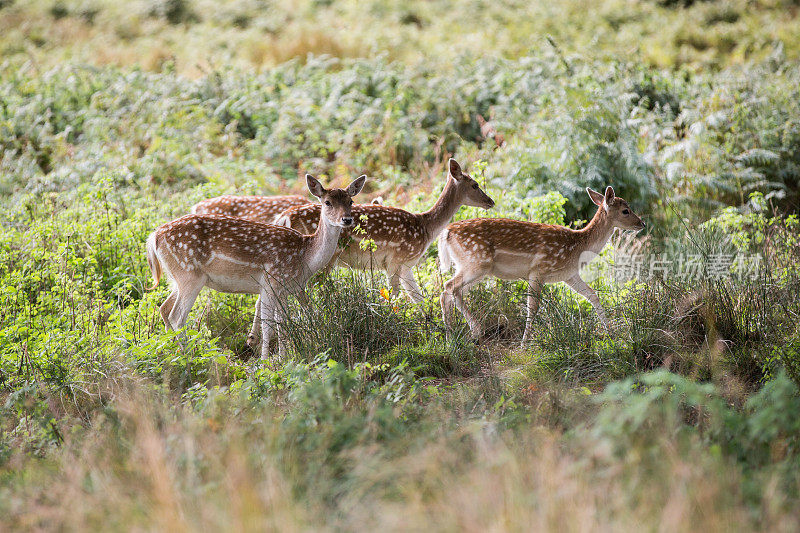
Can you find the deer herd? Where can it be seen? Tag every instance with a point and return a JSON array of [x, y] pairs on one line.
[[272, 245]]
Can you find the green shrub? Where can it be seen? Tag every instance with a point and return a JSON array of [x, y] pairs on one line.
[[328, 422], [641, 411]]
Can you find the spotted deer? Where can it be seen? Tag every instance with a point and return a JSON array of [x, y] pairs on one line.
[[488, 131], [242, 256], [400, 238], [258, 208], [251, 337], [519, 250]]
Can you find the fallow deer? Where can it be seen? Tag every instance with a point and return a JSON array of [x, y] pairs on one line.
[[242, 256], [251, 337], [488, 131], [400, 238], [520, 250], [258, 208]]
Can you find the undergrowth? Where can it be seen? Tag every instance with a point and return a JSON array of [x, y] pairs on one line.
[[681, 416]]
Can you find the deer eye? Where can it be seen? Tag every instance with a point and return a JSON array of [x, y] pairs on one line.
[[475, 186], [626, 212], [327, 202]]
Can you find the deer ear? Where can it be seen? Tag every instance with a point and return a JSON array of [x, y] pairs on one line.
[[314, 186], [609, 195], [455, 169], [596, 197], [358, 184]]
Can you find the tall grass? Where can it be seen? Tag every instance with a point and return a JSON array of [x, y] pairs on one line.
[[117, 117], [355, 462]]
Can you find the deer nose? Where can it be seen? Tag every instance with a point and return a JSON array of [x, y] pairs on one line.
[[347, 220]]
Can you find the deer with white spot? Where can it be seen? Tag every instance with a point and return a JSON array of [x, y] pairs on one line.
[[258, 208], [242, 256], [400, 238], [488, 131], [520, 250]]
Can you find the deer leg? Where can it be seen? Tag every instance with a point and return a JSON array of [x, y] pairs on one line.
[[187, 294], [267, 317], [281, 312], [167, 306], [409, 283], [580, 286], [534, 297], [394, 282], [253, 335], [446, 300], [327, 269], [454, 291]]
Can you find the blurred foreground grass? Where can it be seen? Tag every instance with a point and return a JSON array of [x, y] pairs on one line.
[[117, 117]]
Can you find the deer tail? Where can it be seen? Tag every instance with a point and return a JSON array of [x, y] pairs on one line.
[[152, 261], [445, 261]]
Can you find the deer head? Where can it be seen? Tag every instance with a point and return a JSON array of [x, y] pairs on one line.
[[336, 203], [467, 189], [617, 210]]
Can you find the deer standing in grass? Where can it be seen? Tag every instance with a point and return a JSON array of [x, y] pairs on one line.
[[242, 256], [488, 131], [400, 238], [258, 208], [519, 250]]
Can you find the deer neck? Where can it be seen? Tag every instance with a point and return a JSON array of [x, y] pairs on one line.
[[438, 217], [597, 232], [322, 244]]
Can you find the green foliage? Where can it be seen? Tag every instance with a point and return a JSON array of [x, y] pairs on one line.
[[593, 125], [751, 226], [256, 33], [437, 359], [773, 434], [634, 407], [174, 11], [96, 153], [583, 138], [740, 137], [34, 428], [787, 354], [349, 317], [334, 410], [645, 411]]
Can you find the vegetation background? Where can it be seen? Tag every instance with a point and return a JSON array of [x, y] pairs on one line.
[[116, 117]]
